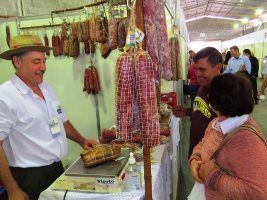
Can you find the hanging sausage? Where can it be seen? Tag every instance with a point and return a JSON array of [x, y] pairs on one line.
[[113, 33], [146, 98], [91, 80], [8, 35], [46, 41], [124, 79]]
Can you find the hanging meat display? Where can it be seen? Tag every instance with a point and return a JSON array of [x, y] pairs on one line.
[[124, 79], [56, 44], [122, 32], [146, 98], [113, 33], [8, 35], [135, 82], [158, 45], [91, 80], [175, 58], [46, 41]]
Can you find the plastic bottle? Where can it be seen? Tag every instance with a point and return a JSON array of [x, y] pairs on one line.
[[133, 173]]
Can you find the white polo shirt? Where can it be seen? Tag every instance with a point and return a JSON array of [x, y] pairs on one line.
[[24, 125]]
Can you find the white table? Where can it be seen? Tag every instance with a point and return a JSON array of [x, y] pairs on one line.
[[162, 176]]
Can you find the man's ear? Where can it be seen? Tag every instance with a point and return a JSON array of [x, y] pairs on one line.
[[16, 61], [219, 67]]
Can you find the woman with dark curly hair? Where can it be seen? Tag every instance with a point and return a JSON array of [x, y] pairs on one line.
[[231, 159]]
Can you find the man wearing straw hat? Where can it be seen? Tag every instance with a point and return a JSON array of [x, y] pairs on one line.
[[33, 126]]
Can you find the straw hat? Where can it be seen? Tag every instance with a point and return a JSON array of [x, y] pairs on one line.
[[24, 43]]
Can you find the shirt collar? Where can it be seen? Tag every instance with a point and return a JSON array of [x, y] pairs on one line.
[[20, 85], [233, 122]]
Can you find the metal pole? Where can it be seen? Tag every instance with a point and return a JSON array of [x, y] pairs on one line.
[[97, 116]]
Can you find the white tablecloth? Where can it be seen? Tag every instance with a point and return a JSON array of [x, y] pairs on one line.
[[162, 176]]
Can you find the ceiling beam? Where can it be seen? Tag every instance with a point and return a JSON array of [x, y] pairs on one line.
[[187, 8]]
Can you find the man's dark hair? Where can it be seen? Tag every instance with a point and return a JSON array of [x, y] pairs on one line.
[[231, 95], [247, 51], [235, 48], [213, 56], [20, 56], [191, 51], [227, 57]]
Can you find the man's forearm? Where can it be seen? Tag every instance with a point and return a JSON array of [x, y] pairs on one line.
[[6, 177], [73, 134]]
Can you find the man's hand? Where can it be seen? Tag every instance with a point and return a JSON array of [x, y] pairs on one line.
[[88, 143], [195, 166], [18, 194], [179, 111], [205, 168]]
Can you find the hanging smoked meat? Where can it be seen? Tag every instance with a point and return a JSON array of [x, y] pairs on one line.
[[158, 45], [8, 35], [146, 98], [92, 47], [136, 97], [86, 46], [105, 50], [46, 41], [93, 28], [175, 58], [113, 33], [124, 79], [91, 81], [56, 44], [86, 29], [122, 32]]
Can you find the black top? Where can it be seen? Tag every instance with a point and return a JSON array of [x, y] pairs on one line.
[[254, 66]]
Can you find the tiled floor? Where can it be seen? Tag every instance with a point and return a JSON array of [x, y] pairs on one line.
[[185, 180]]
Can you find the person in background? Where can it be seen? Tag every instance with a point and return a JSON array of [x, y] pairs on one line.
[[191, 56], [263, 86], [264, 67], [226, 60], [254, 73], [238, 169], [208, 63], [33, 126], [238, 63], [191, 75]]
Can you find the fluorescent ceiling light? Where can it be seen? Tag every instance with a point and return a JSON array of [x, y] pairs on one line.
[[212, 17], [259, 11], [245, 20], [236, 26]]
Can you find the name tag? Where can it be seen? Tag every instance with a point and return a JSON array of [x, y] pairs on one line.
[[54, 126]]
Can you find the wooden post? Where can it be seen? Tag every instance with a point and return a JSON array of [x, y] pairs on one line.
[[147, 173], [139, 22], [139, 19]]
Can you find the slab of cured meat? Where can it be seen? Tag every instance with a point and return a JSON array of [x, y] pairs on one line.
[[146, 98], [158, 45], [124, 95], [175, 58]]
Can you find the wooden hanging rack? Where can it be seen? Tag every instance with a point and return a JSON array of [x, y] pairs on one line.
[[40, 26], [7, 16], [77, 8]]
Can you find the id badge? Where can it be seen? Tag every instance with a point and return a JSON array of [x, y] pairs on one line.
[[54, 126]]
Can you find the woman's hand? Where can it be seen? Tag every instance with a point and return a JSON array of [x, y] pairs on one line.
[[195, 166], [205, 168]]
